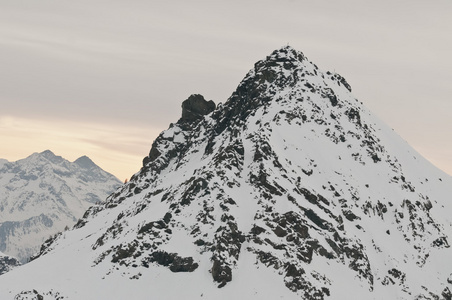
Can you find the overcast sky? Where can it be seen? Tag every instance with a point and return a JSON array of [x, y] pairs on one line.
[[103, 78]]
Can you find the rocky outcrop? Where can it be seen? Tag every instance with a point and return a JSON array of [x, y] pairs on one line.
[[193, 110], [195, 107], [38, 295], [7, 263]]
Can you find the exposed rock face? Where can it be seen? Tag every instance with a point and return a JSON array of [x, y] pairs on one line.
[[37, 295], [291, 178], [174, 262], [193, 110], [195, 107], [7, 263]]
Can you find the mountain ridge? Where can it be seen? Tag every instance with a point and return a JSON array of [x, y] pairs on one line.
[[291, 188]]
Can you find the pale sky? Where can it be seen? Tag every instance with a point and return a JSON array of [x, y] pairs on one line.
[[103, 78]]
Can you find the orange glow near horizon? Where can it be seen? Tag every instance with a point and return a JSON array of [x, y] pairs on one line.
[[115, 148]]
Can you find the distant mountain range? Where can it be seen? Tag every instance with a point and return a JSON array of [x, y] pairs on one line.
[[291, 189], [44, 193]]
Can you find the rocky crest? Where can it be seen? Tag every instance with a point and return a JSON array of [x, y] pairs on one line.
[[291, 177]]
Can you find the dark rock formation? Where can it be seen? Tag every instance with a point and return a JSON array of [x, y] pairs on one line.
[[174, 262], [37, 295], [193, 110], [195, 107], [7, 263]]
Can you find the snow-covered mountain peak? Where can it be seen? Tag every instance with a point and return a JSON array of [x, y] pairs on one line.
[[291, 188], [286, 56], [46, 155], [43, 193], [85, 162], [287, 66]]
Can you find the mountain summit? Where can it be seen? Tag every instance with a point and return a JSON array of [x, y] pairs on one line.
[[290, 189]]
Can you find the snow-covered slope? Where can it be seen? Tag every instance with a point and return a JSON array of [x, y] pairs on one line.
[[43, 193], [291, 189]]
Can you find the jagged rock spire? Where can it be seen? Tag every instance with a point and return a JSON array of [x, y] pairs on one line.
[[195, 107]]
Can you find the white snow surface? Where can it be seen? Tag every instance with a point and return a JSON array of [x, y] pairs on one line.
[[376, 215]]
